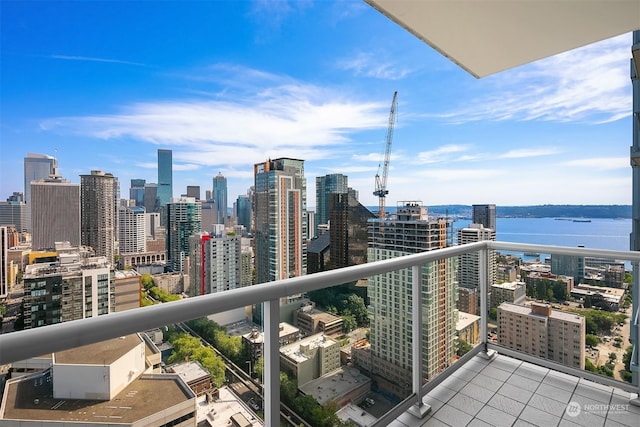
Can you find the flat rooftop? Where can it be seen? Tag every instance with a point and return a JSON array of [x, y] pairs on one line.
[[30, 398], [465, 319], [101, 353], [555, 314], [337, 383], [189, 371]]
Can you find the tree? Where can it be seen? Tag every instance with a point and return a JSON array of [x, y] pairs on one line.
[[147, 281], [348, 323], [258, 367], [356, 306], [591, 340], [493, 313], [463, 347]]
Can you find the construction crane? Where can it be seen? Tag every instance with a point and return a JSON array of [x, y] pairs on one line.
[[381, 182]]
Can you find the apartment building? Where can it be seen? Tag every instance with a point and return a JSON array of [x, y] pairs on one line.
[[543, 332]]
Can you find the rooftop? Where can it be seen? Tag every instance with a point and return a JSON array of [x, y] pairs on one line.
[[102, 353], [30, 398]]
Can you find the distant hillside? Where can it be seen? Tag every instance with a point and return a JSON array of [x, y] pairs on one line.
[[542, 211]]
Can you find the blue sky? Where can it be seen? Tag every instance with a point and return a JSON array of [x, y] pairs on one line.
[[226, 84]]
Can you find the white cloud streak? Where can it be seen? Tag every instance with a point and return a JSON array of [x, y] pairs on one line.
[[590, 84], [289, 119], [93, 59]]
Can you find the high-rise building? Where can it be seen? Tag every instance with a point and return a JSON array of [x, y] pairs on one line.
[[99, 213], [468, 264], [4, 261], [136, 191], [55, 213], [75, 286], [216, 264], [151, 201], [36, 167], [220, 198], [133, 236], [184, 216], [14, 213], [542, 332], [280, 219], [244, 211], [390, 295], [165, 176], [485, 215], [325, 186], [348, 234], [193, 191]]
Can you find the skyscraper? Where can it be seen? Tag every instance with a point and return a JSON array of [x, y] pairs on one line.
[[217, 263], [411, 231], [183, 220], [348, 233], [55, 213], [280, 219], [136, 191], [4, 261], [193, 191], [98, 213], [468, 264], [36, 167], [244, 211], [151, 201], [220, 198], [165, 176], [325, 186], [132, 237], [485, 215]]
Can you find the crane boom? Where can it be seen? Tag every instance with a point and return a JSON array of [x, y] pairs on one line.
[[381, 182]]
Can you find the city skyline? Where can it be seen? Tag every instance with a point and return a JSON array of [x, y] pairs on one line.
[[309, 81]]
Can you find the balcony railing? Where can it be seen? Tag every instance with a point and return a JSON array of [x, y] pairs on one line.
[[34, 342]]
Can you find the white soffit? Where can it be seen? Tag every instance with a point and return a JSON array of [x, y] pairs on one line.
[[488, 36]]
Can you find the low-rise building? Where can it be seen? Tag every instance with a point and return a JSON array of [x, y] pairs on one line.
[[196, 377], [468, 327], [100, 383], [513, 292], [310, 358], [311, 321]]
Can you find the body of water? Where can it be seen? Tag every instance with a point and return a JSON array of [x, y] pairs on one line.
[[597, 233]]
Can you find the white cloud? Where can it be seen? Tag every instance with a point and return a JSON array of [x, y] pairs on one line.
[[590, 84], [440, 154], [528, 152], [94, 59], [600, 163], [293, 120], [374, 65]]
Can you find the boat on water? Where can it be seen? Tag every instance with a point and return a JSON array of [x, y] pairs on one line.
[[581, 220], [534, 254]]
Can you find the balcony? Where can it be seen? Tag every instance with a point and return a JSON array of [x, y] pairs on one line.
[[490, 385]]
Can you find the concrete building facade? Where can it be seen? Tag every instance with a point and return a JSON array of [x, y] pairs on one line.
[[55, 213], [411, 231], [99, 213], [542, 332]]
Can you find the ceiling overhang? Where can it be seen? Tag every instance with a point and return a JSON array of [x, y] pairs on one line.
[[487, 36]]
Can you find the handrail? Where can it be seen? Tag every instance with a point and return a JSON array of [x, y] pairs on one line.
[[22, 345]]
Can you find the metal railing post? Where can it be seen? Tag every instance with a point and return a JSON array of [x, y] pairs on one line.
[[483, 275], [271, 358], [420, 409]]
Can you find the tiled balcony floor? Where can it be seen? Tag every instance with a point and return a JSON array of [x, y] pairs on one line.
[[508, 392]]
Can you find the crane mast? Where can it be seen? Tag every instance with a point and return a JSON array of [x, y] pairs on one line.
[[381, 181]]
